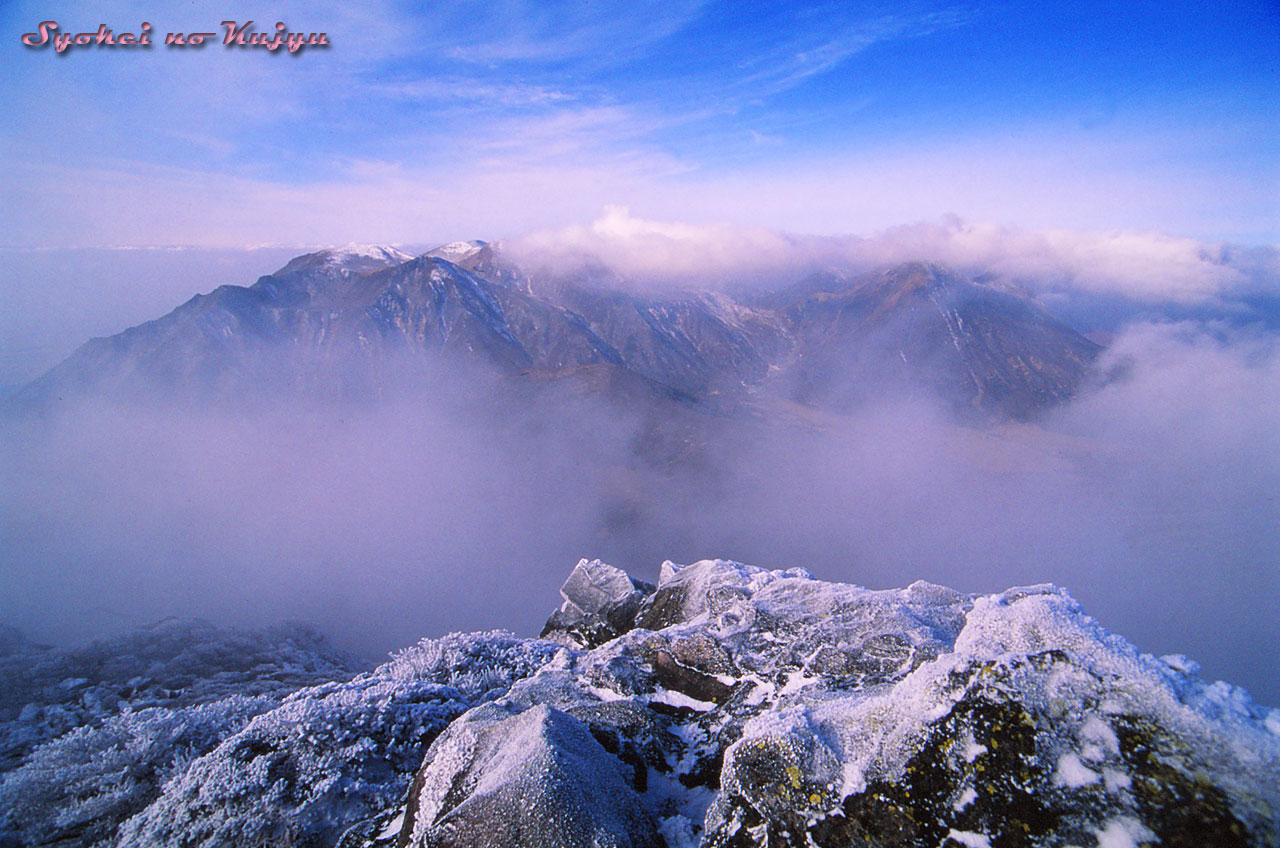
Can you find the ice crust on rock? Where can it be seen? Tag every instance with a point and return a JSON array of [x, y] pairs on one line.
[[782, 710], [537, 777], [600, 603], [727, 706]]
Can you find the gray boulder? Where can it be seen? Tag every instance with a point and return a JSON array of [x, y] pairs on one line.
[[536, 779], [600, 603]]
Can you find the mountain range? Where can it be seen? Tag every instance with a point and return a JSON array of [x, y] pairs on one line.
[[351, 322]]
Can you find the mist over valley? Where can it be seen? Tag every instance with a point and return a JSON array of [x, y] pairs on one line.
[[390, 446]]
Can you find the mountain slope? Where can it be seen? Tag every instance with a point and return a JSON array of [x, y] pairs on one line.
[[348, 321], [922, 326]]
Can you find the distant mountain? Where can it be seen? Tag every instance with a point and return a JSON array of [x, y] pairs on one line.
[[349, 321], [921, 325]]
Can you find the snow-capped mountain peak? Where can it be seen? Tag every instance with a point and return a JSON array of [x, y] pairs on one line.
[[457, 251], [357, 254]]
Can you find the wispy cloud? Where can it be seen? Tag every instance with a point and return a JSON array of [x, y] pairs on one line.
[[526, 31], [842, 35], [461, 89]]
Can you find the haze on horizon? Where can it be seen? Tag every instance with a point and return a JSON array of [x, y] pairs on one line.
[[1151, 496]]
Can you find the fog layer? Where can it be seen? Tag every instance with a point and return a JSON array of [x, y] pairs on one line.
[[458, 503], [51, 301], [1152, 498]]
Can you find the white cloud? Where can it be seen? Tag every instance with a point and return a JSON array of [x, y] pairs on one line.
[[661, 250], [1135, 264], [1142, 266], [847, 33]]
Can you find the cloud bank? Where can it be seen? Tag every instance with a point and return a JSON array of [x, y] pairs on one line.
[[1145, 267], [1152, 496]]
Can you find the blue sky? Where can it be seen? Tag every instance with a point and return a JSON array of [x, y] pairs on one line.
[[432, 121]]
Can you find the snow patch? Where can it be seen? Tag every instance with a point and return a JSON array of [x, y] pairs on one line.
[[969, 839], [1179, 662], [672, 698], [393, 827], [1116, 781], [380, 253], [973, 750], [967, 797], [1098, 740], [457, 251], [1124, 832], [1073, 773], [678, 832]]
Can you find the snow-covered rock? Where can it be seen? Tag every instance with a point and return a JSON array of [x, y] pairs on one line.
[[173, 663], [600, 603], [535, 777], [727, 706], [759, 708], [304, 772], [90, 735], [278, 764], [364, 257], [458, 252]]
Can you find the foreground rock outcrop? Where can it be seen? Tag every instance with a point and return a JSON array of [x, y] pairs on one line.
[[726, 706], [746, 707]]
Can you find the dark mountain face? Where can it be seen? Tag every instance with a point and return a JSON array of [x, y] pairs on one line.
[[340, 323], [698, 344], [919, 326]]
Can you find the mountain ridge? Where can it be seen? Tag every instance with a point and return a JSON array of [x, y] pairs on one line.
[[831, 340]]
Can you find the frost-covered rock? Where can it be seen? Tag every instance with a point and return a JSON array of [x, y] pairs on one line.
[[330, 758], [89, 735], [533, 778], [289, 766], [600, 603], [78, 788], [301, 774], [752, 708], [173, 663], [732, 706]]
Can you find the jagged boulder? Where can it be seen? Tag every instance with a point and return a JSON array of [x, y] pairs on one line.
[[600, 603]]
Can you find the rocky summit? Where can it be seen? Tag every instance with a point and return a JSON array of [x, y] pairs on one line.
[[725, 706], [744, 707]]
